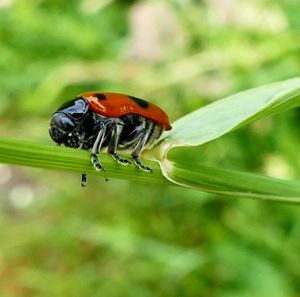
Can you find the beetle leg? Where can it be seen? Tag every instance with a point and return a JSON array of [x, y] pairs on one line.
[[139, 147], [113, 143], [97, 146], [95, 150]]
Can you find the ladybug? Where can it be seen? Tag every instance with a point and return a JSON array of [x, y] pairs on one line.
[[99, 121]]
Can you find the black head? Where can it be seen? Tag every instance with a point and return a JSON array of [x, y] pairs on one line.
[[66, 122]]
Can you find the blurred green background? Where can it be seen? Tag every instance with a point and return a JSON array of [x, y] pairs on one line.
[[121, 238]]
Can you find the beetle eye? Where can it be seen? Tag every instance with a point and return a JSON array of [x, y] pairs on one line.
[[63, 122], [67, 124]]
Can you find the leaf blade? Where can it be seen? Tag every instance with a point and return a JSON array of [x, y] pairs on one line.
[[231, 183], [223, 116], [31, 154], [218, 119]]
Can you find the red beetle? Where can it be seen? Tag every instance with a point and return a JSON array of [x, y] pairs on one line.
[[112, 121]]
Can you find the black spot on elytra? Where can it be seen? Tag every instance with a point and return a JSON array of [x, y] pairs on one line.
[[142, 103], [100, 96]]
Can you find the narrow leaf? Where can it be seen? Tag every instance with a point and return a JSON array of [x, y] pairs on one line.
[[223, 116], [180, 173], [231, 183], [25, 153], [214, 121]]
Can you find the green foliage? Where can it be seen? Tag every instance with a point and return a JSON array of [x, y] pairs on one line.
[[26, 153], [224, 116], [134, 237]]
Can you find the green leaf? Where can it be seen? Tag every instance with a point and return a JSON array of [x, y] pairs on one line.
[[25, 153], [230, 183], [218, 119], [212, 180], [181, 173], [226, 115]]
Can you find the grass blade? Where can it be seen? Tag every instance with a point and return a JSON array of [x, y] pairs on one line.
[[223, 116], [24, 153], [207, 179], [231, 183]]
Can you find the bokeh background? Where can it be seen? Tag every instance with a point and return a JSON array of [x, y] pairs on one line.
[[124, 238]]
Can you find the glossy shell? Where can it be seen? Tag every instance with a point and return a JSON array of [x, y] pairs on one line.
[[115, 105]]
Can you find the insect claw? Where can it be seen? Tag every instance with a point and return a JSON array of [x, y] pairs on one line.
[[140, 165], [96, 163]]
